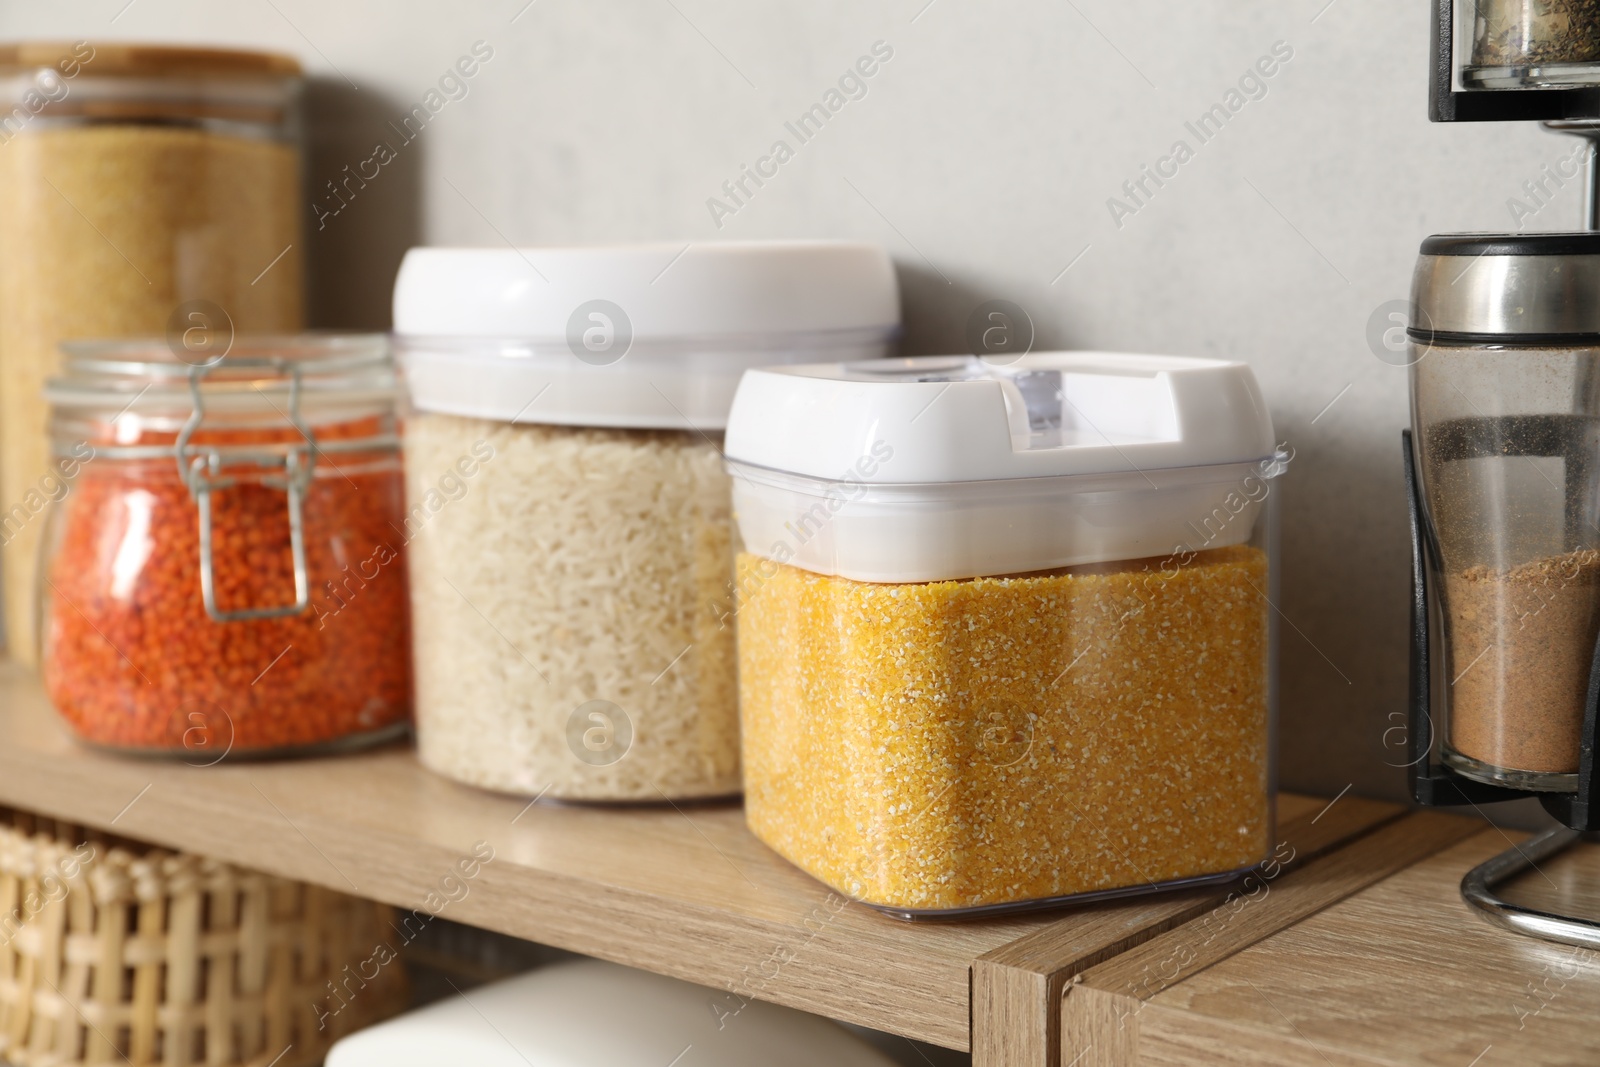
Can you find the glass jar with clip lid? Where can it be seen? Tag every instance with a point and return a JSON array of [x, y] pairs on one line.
[[225, 572]]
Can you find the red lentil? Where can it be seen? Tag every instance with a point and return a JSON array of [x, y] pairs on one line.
[[133, 661]]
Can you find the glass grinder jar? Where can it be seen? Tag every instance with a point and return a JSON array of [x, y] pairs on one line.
[[1516, 44], [1505, 394]]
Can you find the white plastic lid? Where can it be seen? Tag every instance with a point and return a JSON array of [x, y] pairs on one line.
[[950, 467], [648, 336], [961, 419], [594, 1014]]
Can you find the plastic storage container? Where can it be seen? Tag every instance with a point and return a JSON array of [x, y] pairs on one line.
[[1005, 635], [1505, 394], [143, 189], [552, 1018], [224, 573], [568, 513]]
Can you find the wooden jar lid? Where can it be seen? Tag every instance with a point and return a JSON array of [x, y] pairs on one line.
[[130, 82], [144, 60]]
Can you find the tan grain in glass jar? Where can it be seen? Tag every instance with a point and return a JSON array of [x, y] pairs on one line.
[[142, 190]]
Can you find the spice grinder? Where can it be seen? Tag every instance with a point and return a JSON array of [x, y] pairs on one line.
[[1505, 395], [1503, 471], [1502, 462], [1514, 59]]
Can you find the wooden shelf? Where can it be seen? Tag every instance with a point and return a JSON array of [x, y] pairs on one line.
[[1402, 972], [684, 891]]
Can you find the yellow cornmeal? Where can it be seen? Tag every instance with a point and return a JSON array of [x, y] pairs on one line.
[[996, 740]]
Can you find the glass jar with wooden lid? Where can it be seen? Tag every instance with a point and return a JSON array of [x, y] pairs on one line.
[[143, 189]]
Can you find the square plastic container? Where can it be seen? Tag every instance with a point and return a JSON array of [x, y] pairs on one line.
[[1005, 633]]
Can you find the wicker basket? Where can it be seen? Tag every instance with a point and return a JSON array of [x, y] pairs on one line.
[[113, 952]]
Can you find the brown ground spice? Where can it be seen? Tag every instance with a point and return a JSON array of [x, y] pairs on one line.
[[1522, 641]]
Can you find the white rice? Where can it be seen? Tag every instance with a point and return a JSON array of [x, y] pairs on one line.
[[577, 565]]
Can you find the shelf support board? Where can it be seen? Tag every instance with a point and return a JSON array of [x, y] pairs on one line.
[[1017, 988], [1101, 1007]]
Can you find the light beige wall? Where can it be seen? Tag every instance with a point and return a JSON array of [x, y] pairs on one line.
[[982, 155]]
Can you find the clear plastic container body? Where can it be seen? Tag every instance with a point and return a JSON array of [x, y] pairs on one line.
[[228, 582], [568, 520], [140, 186], [1009, 740], [569, 586], [1527, 44], [1507, 444]]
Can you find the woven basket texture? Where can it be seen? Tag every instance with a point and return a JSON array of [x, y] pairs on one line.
[[113, 952]]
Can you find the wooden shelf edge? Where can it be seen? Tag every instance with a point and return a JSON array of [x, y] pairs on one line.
[[688, 894], [1023, 982], [1103, 1008], [702, 944]]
